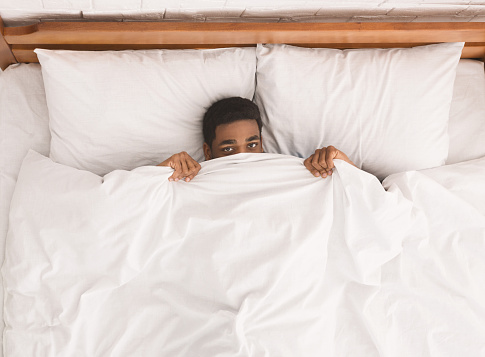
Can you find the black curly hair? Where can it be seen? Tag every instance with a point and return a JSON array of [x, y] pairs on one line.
[[226, 111]]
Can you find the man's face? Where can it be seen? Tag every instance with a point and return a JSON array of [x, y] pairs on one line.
[[234, 138]]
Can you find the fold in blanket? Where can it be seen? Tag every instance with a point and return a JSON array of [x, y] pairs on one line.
[[253, 257]]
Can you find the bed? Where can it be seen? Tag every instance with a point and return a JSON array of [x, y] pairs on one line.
[[254, 257]]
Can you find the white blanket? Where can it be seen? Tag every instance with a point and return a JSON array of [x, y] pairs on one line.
[[254, 257]]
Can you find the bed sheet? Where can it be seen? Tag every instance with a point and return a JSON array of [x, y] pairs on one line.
[[254, 257], [23, 125]]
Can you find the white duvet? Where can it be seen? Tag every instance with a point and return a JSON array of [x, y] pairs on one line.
[[254, 257]]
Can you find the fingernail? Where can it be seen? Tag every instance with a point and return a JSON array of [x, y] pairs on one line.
[[170, 179], [176, 179], [187, 179], [316, 174], [324, 174]]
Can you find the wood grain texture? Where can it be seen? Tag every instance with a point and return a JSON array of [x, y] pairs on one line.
[[6, 55], [242, 33], [143, 35]]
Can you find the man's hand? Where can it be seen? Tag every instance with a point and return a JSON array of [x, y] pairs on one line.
[[321, 162], [185, 167]]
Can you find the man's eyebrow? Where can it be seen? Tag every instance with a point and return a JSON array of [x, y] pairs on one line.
[[252, 138], [227, 142]]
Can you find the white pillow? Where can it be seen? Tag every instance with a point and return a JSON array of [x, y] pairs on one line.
[[123, 109], [24, 125], [387, 109], [467, 115]]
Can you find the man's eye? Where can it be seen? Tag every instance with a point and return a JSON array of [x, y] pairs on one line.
[[252, 145], [227, 149]]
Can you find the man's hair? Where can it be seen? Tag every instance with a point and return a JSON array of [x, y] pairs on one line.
[[226, 111]]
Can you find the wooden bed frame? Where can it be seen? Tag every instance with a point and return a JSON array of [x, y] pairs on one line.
[[17, 43]]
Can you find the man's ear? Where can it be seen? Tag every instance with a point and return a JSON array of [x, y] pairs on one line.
[[207, 151], [261, 141]]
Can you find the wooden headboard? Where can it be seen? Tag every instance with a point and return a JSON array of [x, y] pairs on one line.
[[17, 43]]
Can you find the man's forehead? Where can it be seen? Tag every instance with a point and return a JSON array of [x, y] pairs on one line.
[[238, 124], [241, 130]]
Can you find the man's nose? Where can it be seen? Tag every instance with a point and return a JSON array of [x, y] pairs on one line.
[[243, 150]]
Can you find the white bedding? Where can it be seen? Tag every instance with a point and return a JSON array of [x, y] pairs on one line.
[[450, 191], [254, 257], [24, 125]]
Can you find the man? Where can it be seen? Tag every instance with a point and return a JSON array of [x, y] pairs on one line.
[[232, 126]]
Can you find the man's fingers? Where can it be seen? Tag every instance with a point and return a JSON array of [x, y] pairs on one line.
[[194, 168], [185, 170], [317, 162], [321, 162], [190, 177], [331, 154], [177, 170], [184, 167], [309, 166]]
